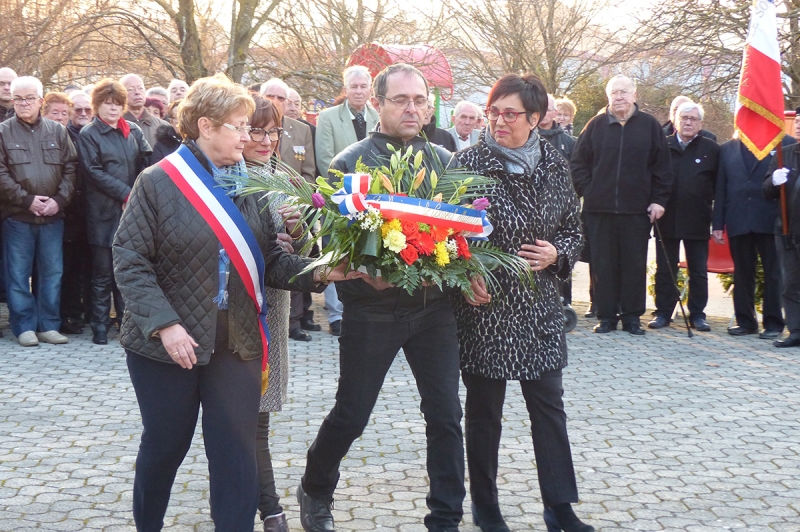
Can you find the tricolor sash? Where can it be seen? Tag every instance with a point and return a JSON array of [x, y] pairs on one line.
[[221, 214], [354, 197]]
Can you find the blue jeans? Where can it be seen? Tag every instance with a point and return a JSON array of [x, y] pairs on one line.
[[21, 243]]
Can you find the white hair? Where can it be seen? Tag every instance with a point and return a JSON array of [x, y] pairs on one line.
[[175, 83], [466, 103], [274, 82], [79, 94], [690, 106], [28, 82], [157, 90], [620, 77], [356, 70]]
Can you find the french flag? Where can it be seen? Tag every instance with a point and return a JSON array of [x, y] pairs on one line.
[[759, 117]]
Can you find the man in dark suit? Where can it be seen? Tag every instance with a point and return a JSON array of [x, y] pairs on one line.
[[687, 218], [741, 208]]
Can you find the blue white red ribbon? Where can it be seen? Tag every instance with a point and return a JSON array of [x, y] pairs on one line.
[[354, 197], [229, 226]]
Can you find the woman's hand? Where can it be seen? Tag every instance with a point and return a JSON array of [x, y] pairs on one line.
[[291, 219], [539, 255], [285, 242], [480, 296], [179, 345]]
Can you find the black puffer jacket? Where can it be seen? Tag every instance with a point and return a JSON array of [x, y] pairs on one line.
[[361, 301], [110, 163], [166, 261], [167, 141]]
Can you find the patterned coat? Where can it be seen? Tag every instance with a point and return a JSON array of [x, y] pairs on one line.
[[520, 334]]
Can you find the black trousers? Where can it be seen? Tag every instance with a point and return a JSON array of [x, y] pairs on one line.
[[744, 250], [103, 286], [269, 502], [790, 282], [483, 426], [296, 309], [697, 265], [169, 397], [76, 280], [619, 264], [366, 352]]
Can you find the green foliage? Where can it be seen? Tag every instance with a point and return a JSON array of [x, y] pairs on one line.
[[589, 96], [727, 284]]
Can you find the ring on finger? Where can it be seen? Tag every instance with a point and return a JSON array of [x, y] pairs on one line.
[[175, 354], [536, 263]]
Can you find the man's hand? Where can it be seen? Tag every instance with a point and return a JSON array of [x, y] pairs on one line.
[[780, 176], [50, 207], [179, 345], [378, 283], [337, 273], [655, 211], [718, 237], [480, 296], [38, 205]]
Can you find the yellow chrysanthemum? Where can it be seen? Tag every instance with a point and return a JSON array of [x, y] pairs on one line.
[[391, 225], [395, 241], [442, 256]]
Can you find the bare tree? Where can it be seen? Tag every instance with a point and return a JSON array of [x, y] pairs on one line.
[[561, 42]]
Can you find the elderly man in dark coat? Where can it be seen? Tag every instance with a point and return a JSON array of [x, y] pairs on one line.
[[687, 217]]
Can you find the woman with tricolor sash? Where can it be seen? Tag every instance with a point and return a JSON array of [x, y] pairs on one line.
[[192, 259]]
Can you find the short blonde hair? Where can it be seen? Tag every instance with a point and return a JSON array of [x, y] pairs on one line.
[[215, 98], [565, 104]]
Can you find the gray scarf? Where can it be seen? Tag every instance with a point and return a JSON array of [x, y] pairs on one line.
[[522, 160]]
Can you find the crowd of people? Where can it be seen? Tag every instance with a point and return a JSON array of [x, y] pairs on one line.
[[116, 211]]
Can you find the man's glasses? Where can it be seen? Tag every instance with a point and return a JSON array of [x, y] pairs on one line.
[[508, 116], [420, 102], [257, 134], [82, 110], [689, 119], [30, 100]]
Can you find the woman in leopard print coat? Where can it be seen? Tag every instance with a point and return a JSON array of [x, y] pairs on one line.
[[519, 334]]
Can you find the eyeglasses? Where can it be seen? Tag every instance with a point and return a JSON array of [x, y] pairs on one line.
[[276, 97], [420, 102], [239, 129], [82, 110], [508, 116], [30, 100], [689, 119], [257, 134]]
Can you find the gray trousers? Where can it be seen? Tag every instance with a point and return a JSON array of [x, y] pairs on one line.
[[789, 261]]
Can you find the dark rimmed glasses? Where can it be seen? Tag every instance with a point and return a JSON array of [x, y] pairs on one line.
[[508, 116], [257, 134]]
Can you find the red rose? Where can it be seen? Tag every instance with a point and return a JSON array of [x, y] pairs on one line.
[[463, 247], [410, 229], [438, 233], [424, 243], [409, 255]]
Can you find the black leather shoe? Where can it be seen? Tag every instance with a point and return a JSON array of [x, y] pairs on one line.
[[634, 328], [100, 337], [793, 340], [769, 335], [300, 335], [309, 325], [489, 519], [315, 515], [659, 322], [561, 517], [336, 328], [701, 325], [605, 326], [589, 313], [741, 331], [276, 523], [69, 326]]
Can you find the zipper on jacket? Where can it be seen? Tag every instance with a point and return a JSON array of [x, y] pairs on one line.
[[619, 168]]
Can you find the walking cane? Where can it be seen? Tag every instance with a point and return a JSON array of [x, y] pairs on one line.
[[674, 284]]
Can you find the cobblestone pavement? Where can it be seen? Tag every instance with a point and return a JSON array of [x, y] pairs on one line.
[[668, 433]]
